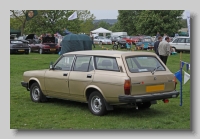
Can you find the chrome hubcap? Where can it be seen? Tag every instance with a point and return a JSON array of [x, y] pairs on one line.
[[36, 93], [96, 104]]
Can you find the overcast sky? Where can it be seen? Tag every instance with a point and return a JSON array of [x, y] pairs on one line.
[[109, 14]]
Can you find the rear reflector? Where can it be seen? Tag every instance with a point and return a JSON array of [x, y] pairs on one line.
[[127, 87]]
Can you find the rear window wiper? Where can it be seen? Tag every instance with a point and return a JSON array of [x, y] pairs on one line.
[[155, 70]]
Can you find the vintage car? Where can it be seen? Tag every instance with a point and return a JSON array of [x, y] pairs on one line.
[[47, 45], [145, 43], [19, 46], [104, 79], [181, 43], [102, 40]]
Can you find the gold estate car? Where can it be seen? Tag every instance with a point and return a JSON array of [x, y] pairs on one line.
[[103, 78]]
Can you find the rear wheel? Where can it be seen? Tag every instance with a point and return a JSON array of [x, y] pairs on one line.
[[36, 93], [115, 47], [144, 105], [96, 104]]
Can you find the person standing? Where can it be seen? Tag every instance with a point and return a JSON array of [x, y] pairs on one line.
[[157, 35], [156, 44], [92, 38], [164, 50], [164, 36]]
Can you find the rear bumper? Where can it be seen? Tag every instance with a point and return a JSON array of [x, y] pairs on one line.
[[147, 97], [24, 84], [19, 50]]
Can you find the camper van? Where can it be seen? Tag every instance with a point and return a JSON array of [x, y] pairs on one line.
[[119, 34]]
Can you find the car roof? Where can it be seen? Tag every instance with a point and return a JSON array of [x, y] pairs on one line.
[[182, 37], [111, 53]]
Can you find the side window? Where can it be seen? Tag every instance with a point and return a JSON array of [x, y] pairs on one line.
[[175, 41], [181, 40], [82, 63], [187, 40], [64, 63], [106, 63]]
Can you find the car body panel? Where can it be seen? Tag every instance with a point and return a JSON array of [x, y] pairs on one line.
[[108, 75], [19, 46]]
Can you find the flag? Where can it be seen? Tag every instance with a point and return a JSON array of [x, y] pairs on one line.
[[178, 75], [186, 77], [188, 21], [187, 66], [73, 16], [30, 14], [182, 63]]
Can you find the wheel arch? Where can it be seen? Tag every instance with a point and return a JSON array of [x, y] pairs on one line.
[[91, 89], [33, 80]]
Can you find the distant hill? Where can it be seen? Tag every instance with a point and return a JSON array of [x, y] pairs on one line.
[[110, 21]]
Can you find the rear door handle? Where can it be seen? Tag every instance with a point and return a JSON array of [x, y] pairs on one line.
[[65, 74], [89, 76]]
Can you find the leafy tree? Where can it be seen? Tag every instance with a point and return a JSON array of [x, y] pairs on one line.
[[104, 24], [86, 19], [52, 21], [115, 27], [163, 21], [127, 20], [18, 19]]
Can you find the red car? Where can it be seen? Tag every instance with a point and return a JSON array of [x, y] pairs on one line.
[[127, 38], [47, 45], [135, 39]]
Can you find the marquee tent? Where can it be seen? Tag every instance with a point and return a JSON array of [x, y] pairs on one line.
[[101, 30]]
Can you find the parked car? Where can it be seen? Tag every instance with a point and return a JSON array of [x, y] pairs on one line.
[[103, 79], [181, 44], [135, 39], [102, 40], [47, 45], [146, 43], [19, 46], [120, 43], [127, 39], [114, 39]]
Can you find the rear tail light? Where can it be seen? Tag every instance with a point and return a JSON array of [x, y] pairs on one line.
[[127, 87]]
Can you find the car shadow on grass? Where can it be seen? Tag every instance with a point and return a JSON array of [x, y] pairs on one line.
[[120, 110]]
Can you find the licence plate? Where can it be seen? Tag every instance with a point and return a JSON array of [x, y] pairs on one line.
[[52, 49], [154, 88], [20, 50]]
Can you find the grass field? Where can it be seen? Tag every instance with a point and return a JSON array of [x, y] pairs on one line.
[[62, 114]]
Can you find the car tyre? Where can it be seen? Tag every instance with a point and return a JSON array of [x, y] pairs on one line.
[[96, 104], [115, 47], [36, 93], [144, 105]]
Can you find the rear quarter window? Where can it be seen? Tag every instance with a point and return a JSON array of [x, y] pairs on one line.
[[106, 63], [143, 64]]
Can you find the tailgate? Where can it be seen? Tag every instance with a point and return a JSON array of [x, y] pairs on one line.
[[148, 83]]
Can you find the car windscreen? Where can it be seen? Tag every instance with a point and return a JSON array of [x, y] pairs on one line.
[[147, 40], [138, 64]]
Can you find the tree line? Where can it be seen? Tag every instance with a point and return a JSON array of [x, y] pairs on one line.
[[134, 22]]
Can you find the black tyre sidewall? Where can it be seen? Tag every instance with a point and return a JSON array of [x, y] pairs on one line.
[[42, 97], [103, 109]]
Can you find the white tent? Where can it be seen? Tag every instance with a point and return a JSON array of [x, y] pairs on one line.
[[101, 30]]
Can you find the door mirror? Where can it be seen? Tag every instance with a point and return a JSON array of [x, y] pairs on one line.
[[51, 66]]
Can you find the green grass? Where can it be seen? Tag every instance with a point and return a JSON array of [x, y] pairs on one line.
[[62, 114]]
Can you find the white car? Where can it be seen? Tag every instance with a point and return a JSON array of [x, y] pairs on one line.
[[102, 40], [181, 43]]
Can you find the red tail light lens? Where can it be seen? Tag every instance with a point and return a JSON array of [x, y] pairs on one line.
[[127, 87], [166, 100]]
